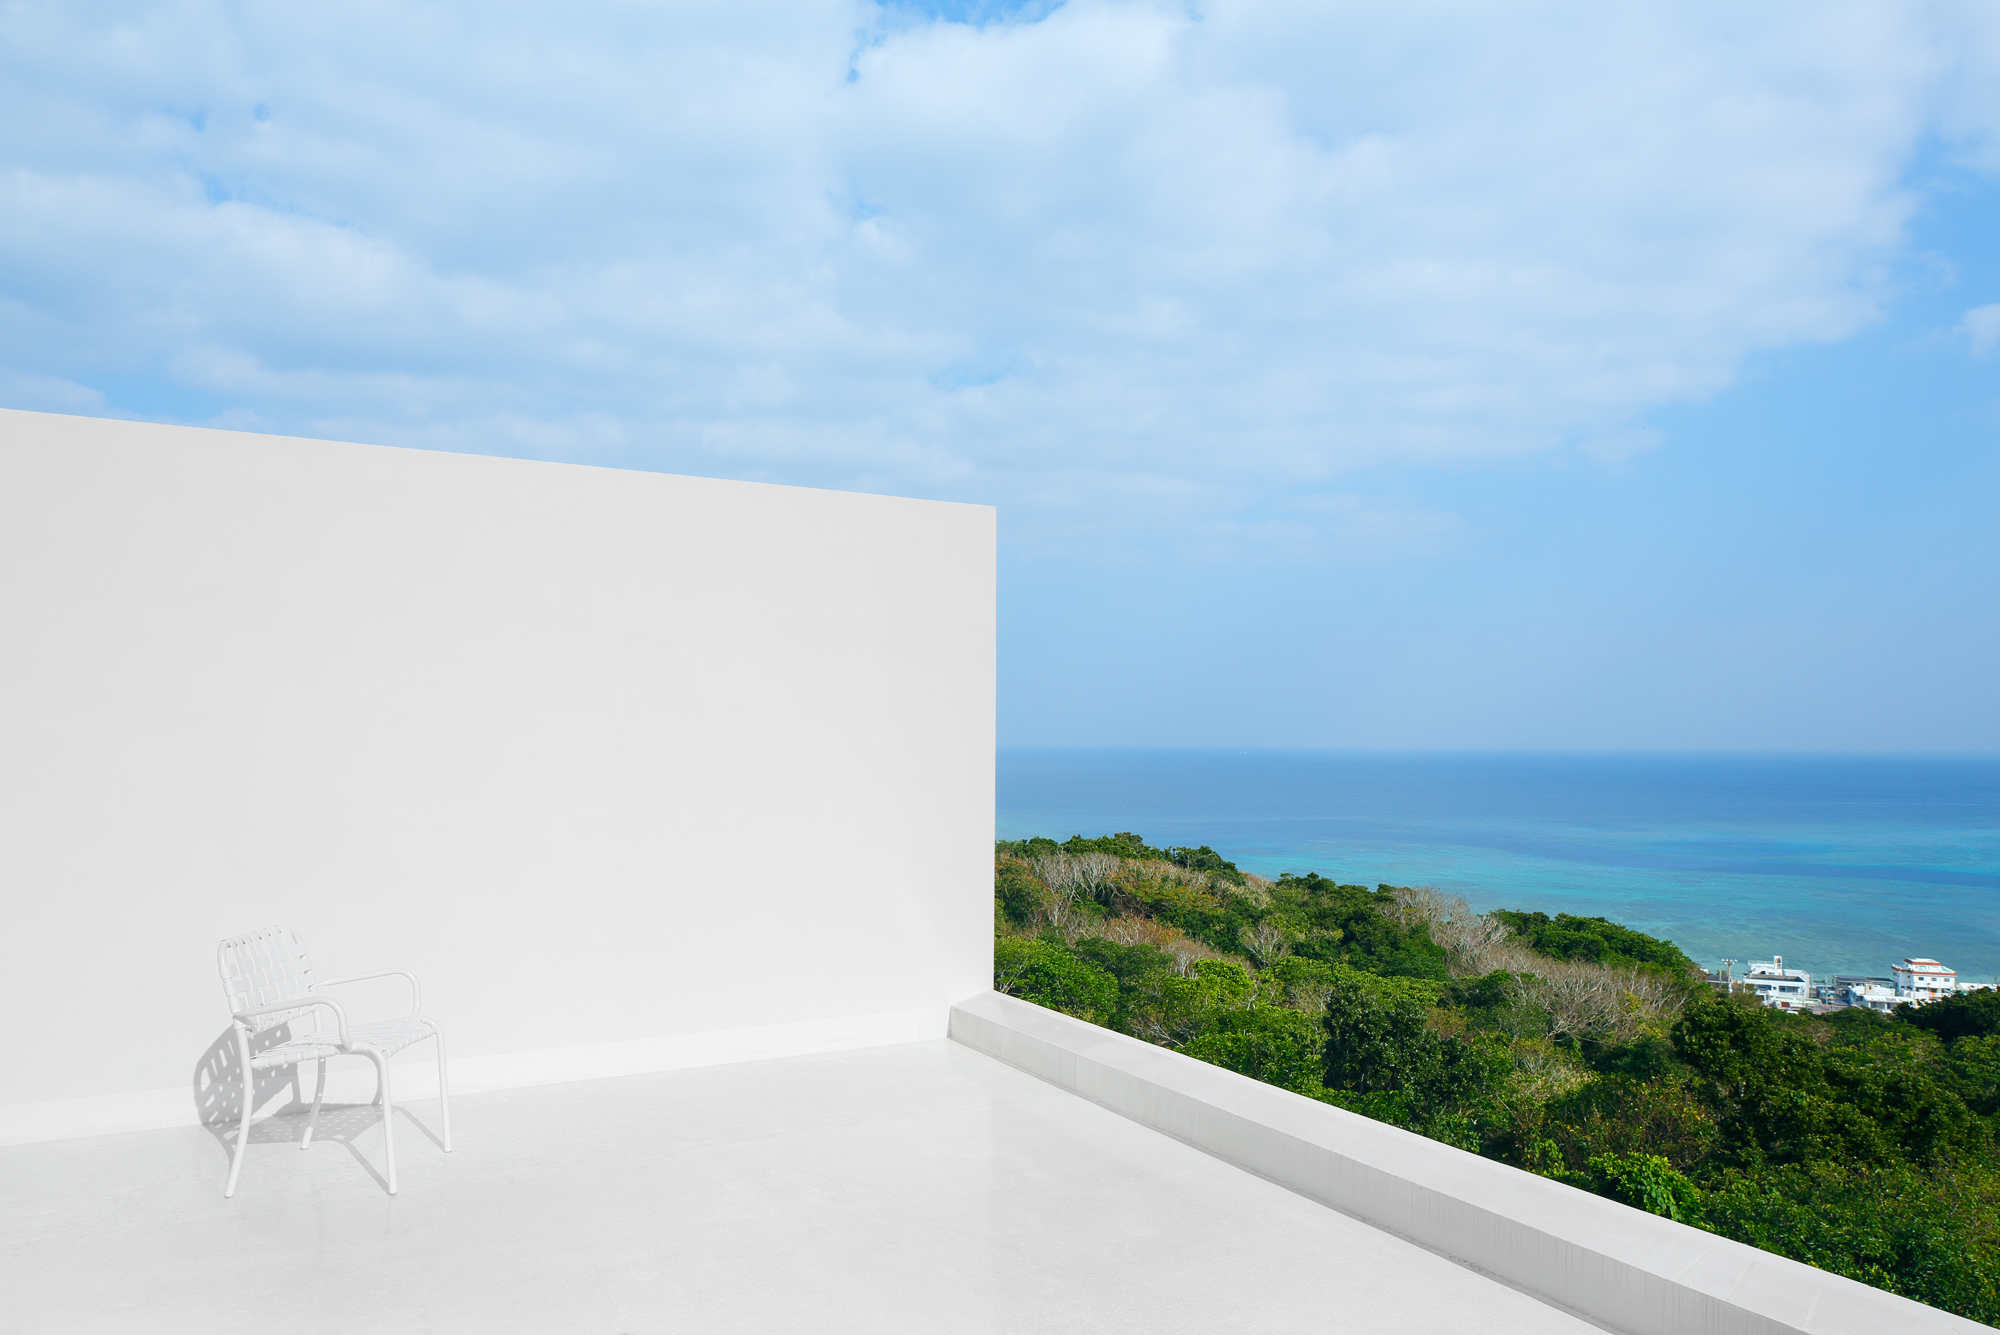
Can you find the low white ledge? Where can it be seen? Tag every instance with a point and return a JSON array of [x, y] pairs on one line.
[[1621, 1267]]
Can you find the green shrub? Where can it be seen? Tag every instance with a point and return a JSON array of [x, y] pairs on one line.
[[1596, 940], [1968, 1015], [1892, 1227], [1648, 1182], [1048, 974], [1270, 1043], [1379, 1041]]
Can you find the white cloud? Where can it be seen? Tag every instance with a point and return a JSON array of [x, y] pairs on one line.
[[1122, 268], [1981, 325]]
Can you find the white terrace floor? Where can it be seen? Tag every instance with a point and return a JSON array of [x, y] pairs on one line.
[[924, 1188]]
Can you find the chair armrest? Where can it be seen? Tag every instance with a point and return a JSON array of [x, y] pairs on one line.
[[416, 992], [300, 1004]]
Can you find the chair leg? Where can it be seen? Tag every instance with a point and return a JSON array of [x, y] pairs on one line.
[[444, 1095], [243, 1126], [319, 1093], [388, 1116]]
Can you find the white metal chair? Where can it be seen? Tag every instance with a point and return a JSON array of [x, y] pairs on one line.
[[269, 981]]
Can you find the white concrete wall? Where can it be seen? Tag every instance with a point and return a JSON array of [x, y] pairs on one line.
[[1620, 1267], [634, 770]]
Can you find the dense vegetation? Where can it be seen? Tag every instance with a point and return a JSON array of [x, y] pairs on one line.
[[1570, 1047]]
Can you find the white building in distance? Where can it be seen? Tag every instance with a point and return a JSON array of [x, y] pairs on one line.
[[1775, 985], [1921, 980], [1916, 982], [1873, 994]]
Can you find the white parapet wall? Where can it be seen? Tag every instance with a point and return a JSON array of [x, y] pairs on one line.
[[1625, 1269], [634, 770]]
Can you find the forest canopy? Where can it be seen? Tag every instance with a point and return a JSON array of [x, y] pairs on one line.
[[1571, 1047]]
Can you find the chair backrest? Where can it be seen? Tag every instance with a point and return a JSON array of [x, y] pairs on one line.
[[262, 969]]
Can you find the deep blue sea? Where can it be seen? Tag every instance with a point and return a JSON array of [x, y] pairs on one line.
[[1841, 865]]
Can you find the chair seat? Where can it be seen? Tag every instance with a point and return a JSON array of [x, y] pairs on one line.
[[385, 1036]]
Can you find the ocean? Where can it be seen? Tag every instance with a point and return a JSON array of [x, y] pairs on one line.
[[1840, 864]]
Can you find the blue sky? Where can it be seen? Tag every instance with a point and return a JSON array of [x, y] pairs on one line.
[[1568, 376]]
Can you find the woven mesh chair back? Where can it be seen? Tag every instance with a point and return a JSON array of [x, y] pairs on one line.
[[262, 969]]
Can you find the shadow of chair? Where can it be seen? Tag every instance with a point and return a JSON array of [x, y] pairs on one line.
[[218, 1102], [218, 1077]]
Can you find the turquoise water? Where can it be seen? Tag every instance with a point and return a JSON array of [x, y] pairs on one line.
[[1841, 865]]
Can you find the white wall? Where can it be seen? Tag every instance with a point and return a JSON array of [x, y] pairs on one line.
[[610, 759], [1619, 1267]]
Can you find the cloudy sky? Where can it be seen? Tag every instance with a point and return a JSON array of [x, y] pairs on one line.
[[1554, 375]]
